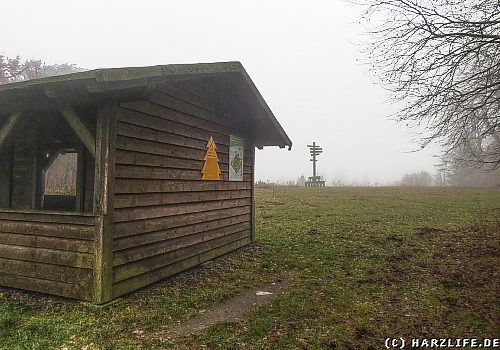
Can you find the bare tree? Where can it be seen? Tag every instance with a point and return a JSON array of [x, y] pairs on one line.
[[442, 59]]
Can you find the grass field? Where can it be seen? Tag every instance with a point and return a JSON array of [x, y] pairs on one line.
[[362, 264]]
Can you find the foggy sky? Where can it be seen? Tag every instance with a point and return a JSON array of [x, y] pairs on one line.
[[301, 55]]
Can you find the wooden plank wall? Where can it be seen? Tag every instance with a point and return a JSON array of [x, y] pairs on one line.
[[166, 219], [48, 253]]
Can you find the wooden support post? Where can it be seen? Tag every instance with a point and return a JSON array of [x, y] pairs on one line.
[[79, 128], [103, 203], [8, 127], [253, 192], [5, 176]]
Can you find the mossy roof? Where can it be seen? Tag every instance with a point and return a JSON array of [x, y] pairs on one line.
[[228, 83]]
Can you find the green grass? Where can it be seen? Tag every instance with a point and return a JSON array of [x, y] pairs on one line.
[[364, 264]]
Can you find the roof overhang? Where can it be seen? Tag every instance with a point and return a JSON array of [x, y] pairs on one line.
[[226, 84]]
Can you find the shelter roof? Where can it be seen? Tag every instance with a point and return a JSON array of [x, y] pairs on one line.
[[226, 85]]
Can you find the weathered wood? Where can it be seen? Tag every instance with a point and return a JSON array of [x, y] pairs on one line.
[[164, 215], [37, 241], [79, 128], [161, 173], [154, 122], [6, 130], [163, 186], [158, 148], [163, 112], [179, 231], [146, 172], [185, 95], [23, 180], [5, 176], [253, 192], [69, 290], [171, 138], [145, 199], [144, 251], [154, 160], [80, 173], [48, 217], [157, 262], [190, 110], [130, 214], [129, 228], [89, 173], [104, 189], [49, 256], [39, 270], [169, 270]]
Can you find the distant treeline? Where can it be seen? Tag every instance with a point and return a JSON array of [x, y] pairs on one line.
[[461, 177]]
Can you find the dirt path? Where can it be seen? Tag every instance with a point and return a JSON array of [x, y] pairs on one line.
[[232, 310]]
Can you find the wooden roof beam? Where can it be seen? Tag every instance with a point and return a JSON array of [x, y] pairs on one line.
[[79, 128], [9, 126]]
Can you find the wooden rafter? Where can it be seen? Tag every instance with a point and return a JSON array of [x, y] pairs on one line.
[[79, 128], [9, 126]]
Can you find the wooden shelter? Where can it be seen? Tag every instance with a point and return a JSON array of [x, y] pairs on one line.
[[136, 139]]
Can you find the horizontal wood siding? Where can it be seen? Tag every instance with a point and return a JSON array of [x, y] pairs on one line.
[[166, 219], [48, 253]]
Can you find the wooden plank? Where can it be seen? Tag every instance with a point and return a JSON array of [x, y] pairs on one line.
[[174, 146], [169, 137], [80, 232], [158, 148], [46, 271], [154, 263], [131, 214], [129, 228], [174, 232], [154, 109], [155, 122], [145, 199], [49, 256], [194, 114], [157, 248], [164, 186], [79, 128], [32, 240], [148, 172], [186, 96], [104, 190], [138, 158], [145, 172], [48, 217], [69, 290], [162, 136], [137, 282], [6, 130]]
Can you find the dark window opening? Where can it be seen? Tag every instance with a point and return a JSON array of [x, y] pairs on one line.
[[44, 165], [59, 180]]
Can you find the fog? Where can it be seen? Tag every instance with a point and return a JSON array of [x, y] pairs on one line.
[[303, 58]]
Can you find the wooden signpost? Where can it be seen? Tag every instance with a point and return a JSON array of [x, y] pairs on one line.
[[315, 181]]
